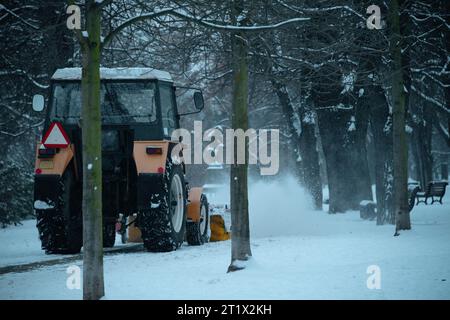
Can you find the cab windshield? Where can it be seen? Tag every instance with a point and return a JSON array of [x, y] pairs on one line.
[[121, 102]]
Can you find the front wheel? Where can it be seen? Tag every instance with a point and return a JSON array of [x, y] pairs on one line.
[[197, 232]]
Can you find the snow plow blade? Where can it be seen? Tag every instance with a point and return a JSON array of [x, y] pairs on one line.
[[218, 229]]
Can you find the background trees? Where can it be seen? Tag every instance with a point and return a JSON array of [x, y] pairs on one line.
[[325, 83], [28, 57]]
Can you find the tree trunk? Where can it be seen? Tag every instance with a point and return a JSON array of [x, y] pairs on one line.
[[240, 236], [93, 287], [303, 139], [363, 184], [289, 115], [421, 144], [343, 132], [310, 157], [402, 218], [333, 127], [347, 168], [448, 118], [444, 167], [380, 122]]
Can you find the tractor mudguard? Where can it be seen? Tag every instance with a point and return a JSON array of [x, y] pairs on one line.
[[48, 173], [194, 203], [150, 169], [154, 160], [55, 165], [150, 163]]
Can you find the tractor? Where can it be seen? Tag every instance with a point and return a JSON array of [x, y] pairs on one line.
[[140, 176]]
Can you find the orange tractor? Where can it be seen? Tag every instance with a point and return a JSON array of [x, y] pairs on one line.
[[140, 177]]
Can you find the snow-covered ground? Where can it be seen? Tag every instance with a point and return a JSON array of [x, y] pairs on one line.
[[21, 244], [298, 253]]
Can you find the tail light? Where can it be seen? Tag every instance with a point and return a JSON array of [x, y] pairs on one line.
[[46, 153], [154, 150]]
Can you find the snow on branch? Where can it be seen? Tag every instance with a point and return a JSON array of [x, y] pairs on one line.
[[444, 131], [103, 3], [319, 10], [27, 129], [24, 73], [17, 113], [430, 99], [2, 7], [432, 16], [187, 17], [251, 28], [441, 129], [131, 21]]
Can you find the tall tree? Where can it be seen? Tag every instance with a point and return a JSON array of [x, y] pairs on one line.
[[402, 218], [240, 241], [381, 128], [90, 43]]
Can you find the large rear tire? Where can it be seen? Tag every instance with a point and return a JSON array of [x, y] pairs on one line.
[[197, 232], [163, 225], [61, 229]]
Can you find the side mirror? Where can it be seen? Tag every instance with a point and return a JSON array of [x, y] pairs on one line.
[[38, 102], [198, 101]]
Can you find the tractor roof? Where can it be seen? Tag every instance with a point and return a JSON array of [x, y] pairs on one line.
[[115, 74]]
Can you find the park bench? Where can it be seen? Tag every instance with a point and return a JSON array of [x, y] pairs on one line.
[[435, 189]]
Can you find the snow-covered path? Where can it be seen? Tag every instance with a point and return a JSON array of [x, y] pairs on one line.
[[326, 259], [21, 245]]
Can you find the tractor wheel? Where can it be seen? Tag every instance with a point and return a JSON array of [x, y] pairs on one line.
[[109, 235], [60, 229], [197, 232], [163, 225]]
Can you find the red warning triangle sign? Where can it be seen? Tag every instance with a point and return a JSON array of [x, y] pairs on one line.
[[56, 137]]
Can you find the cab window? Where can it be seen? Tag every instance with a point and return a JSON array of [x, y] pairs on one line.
[[168, 113]]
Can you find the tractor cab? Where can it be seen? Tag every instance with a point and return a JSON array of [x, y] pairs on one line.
[[142, 99]]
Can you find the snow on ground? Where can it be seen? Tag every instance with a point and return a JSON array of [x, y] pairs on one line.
[[298, 253], [21, 244]]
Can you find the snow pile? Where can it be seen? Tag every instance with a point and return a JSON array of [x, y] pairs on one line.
[[42, 205]]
